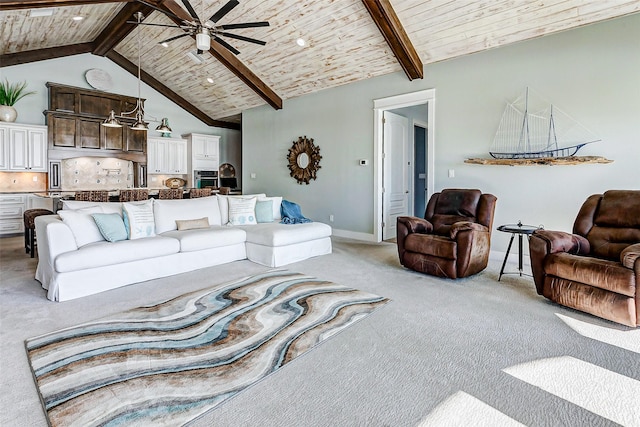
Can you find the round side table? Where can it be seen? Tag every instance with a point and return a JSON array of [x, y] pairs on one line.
[[520, 230]]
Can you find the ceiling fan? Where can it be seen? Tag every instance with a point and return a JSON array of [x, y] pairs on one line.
[[208, 29]]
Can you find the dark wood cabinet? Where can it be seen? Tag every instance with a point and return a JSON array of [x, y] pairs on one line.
[[74, 122]]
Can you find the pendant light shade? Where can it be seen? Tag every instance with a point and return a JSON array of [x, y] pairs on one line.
[[139, 124], [164, 127], [111, 121]]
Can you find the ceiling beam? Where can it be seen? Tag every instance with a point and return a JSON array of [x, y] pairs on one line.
[[118, 28], [228, 59], [18, 58], [36, 4], [174, 97], [392, 30]]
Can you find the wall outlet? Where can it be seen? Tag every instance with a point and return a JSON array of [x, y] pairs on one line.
[[363, 162], [154, 179], [331, 218], [35, 178]]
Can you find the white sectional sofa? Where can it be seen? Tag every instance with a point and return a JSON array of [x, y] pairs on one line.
[[69, 267]]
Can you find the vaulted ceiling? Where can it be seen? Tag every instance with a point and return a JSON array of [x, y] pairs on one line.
[[346, 41]]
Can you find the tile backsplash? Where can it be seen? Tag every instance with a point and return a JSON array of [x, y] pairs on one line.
[[23, 181], [96, 173]]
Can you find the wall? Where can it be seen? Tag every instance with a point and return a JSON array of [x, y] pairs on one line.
[[70, 71], [593, 73]]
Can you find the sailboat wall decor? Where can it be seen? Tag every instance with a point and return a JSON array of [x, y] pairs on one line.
[[531, 128]]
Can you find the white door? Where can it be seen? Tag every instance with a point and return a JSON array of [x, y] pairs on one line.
[[396, 168]]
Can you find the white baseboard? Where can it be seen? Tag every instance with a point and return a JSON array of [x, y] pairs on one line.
[[353, 235]]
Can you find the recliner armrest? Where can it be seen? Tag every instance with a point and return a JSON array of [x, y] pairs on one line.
[[465, 226], [630, 255], [415, 224], [559, 241]]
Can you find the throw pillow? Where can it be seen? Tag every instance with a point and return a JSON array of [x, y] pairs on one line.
[[82, 225], [277, 201], [224, 204], [242, 211], [264, 211], [111, 226], [138, 218], [192, 224]]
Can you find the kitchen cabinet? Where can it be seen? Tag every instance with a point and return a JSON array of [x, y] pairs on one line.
[[23, 148], [204, 151], [166, 156], [12, 207]]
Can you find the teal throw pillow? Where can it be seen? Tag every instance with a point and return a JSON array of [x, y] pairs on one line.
[[264, 211], [111, 226]]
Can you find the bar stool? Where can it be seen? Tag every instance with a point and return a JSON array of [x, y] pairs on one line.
[[170, 193], [199, 192], [30, 228]]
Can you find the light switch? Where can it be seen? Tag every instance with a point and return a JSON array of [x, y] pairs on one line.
[[452, 173], [253, 175]]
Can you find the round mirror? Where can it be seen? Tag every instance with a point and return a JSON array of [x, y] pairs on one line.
[[303, 160]]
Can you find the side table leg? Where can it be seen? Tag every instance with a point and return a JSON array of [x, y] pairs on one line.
[[506, 256], [520, 254]]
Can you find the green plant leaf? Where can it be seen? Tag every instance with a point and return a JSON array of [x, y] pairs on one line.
[[12, 93]]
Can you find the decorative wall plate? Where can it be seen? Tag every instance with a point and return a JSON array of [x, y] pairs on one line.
[[227, 170], [304, 160], [98, 79], [175, 183]]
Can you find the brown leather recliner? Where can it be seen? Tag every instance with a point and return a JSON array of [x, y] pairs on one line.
[[597, 268], [453, 239]]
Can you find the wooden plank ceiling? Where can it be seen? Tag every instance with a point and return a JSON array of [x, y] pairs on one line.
[[346, 41]]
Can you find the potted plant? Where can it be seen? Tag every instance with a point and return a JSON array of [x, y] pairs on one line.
[[9, 95]]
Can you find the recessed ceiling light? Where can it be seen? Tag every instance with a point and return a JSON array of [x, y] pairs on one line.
[[78, 18], [301, 42], [164, 44], [209, 79]]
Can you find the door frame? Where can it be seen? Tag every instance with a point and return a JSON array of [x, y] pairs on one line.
[[412, 184], [428, 97]]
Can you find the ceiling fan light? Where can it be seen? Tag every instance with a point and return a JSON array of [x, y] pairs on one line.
[[203, 40], [111, 121]]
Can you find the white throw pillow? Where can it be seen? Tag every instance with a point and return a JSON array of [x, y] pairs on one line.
[[167, 212], [82, 224], [242, 211], [277, 201], [139, 219], [224, 204]]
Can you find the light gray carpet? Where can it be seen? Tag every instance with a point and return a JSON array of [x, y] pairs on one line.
[[469, 352]]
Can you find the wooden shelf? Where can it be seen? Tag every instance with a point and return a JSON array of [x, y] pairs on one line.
[[550, 161]]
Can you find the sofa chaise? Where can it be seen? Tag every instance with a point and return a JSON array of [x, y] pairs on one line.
[[71, 264]]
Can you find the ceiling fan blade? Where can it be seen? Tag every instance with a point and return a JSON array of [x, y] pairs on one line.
[[238, 37], [166, 12], [157, 25], [170, 39], [192, 12], [224, 10], [226, 45], [245, 25]]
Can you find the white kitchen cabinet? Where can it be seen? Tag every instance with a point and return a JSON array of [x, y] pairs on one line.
[[166, 156], [23, 148], [37, 202], [204, 151], [12, 207]]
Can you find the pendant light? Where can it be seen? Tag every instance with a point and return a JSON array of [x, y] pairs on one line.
[[139, 124]]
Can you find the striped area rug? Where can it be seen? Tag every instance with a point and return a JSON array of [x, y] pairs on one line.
[[166, 364]]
